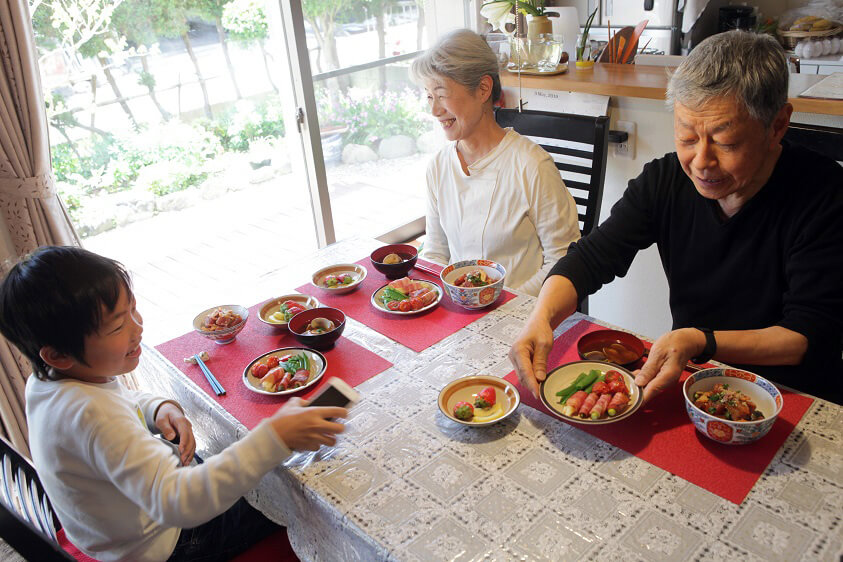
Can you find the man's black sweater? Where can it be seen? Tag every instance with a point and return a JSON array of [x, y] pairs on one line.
[[777, 262]]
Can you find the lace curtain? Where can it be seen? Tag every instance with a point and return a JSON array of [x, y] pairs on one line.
[[32, 214]]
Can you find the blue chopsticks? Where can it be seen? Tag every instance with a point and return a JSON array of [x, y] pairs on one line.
[[212, 380]]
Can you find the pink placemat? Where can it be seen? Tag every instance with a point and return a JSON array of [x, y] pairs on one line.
[[662, 434], [346, 360], [418, 332]]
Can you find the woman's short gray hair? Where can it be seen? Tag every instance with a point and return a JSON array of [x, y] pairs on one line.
[[751, 67], [464, 57]]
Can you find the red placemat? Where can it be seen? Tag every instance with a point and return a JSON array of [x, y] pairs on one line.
[[662, 434], [346, 360], [418, 332]]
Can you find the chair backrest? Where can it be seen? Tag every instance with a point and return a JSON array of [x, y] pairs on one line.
[[828, 141], [579, 147], [27, 522]]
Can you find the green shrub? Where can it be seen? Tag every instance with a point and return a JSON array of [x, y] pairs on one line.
[[373, 116], [246, 122]]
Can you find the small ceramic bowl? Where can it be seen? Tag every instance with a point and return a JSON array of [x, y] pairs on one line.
[[614, 346], [298, 327], [465, 389], [408, 254], [357, 271], [473, 297], [273, 305], [767, 398], [225, 335]]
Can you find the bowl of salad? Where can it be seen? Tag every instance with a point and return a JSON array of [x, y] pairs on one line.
[[730, 405], [339, 278], [277, 312], [473, 283]]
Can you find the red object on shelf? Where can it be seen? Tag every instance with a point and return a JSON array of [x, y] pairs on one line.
[[662, 434]]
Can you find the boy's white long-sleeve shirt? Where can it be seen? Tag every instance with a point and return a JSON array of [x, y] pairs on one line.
[[512, 208], [119, 491]]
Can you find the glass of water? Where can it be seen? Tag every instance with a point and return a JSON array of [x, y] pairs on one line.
[[548, 48]]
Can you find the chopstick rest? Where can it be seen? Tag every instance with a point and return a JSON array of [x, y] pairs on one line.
[[212, 380]]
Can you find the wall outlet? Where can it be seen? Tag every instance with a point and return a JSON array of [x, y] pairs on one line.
[[625, 149]]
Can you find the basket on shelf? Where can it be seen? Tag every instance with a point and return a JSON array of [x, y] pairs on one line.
[[790, 38]]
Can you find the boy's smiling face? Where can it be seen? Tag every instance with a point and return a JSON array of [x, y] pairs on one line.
[[113, 349]]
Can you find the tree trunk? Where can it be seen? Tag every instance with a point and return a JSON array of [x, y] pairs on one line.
[[166, 115], [380, 26], [116, 89], [195, 62], [93, 101], [266, 65], [420, 27], [224, 45], [329, 49]]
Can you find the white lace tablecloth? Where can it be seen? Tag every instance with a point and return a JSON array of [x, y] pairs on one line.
[[405, 483]]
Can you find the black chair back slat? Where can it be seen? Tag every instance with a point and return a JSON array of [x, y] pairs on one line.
[[26, 518], [582, 129], [828, 141]]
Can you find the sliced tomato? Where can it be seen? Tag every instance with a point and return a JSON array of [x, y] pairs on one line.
[[259, 370], [393, 305], [405, 306], [415, 303], [272, 361]]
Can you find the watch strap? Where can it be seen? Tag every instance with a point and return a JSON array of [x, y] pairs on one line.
[[710, 347]]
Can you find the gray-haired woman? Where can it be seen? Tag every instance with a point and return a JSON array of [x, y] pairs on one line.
[[748, 230], [491, 193]]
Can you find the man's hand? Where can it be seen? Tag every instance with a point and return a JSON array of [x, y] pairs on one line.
[[529, 353], [307, 428], [171, 422], [667, 359]]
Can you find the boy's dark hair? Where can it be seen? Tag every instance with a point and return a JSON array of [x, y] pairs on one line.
[[54, 297]]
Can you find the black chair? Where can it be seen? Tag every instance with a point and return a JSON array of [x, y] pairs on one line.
[[579, 147], [27, 522], [828, 141]]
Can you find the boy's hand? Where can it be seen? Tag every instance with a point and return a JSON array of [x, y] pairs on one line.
[[171, 422], [307, 428]]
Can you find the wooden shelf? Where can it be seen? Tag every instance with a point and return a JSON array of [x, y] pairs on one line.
[[650, 82]]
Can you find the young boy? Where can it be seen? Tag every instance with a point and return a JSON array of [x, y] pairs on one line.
[[120, 492]]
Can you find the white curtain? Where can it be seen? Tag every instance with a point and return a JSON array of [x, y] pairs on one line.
[[32, 213]]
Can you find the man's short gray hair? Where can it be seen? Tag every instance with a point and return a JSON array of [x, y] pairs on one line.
[[464, 57], [751, 67]]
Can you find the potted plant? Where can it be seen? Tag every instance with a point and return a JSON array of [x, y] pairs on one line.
[[584, 61], [499, 13]]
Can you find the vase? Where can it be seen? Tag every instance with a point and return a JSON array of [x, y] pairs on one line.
[[538, 25]]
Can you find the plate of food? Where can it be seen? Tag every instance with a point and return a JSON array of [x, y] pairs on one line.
[[339, 278], [591, 392], [284, 371], [405, 296], [478, 400]]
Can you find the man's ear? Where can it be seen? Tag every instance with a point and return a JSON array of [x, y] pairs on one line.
[[56, 360], [781, 122]]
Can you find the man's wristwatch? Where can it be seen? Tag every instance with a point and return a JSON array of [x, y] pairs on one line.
[[710, 347]]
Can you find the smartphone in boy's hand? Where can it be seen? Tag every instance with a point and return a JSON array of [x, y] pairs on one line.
[[336, 393]]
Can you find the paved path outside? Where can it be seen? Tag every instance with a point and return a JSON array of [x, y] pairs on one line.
[[218, 251]]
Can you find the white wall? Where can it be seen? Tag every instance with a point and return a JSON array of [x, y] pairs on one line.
[[639, 301]]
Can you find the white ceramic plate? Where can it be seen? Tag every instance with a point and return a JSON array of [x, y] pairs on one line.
[[564, 375], [317, 361], [465, 388], [378, 303]]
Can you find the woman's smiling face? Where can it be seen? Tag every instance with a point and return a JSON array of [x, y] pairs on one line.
[[725, 152], [458, 109]]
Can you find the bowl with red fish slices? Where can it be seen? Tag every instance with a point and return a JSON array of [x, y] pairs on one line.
[[473, 283], [221, 324], [284, 371], [591, 392], [406, 297], [731, 406]]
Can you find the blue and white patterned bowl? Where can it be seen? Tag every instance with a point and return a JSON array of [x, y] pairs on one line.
[[473, 297], [768, 400]]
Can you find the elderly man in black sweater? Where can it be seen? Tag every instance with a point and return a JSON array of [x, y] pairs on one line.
[[749, 230]]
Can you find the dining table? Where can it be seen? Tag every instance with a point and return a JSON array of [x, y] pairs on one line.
[[406, 483]]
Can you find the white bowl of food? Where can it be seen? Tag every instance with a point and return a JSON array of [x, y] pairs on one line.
[[339, 278], [277, 312], [730, 405], [221, 324], [473, 283]]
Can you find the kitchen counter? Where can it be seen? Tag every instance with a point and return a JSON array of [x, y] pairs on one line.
[[650, 82]]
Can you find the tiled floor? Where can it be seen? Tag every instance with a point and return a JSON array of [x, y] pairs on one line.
[[216, 252]]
